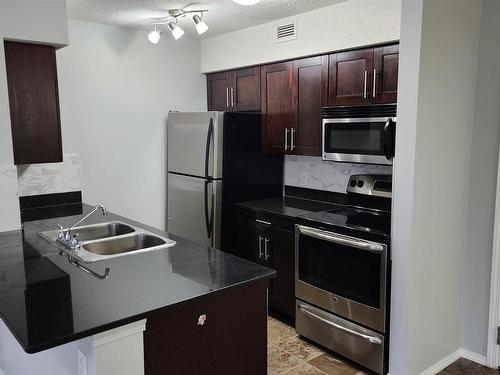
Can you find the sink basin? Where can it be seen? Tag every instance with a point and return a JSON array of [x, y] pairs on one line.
[[104, 230], [109, 240], [123, 245]]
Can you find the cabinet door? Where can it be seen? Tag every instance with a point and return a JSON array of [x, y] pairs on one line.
[[282, 248], [218, 91], [310, 84], [277, 107], [251, 238], [350, 77], [385, 70], [34, 103], [212, 334], [245, 90]]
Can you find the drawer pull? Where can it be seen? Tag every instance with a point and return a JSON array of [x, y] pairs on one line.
[[371, 339], [263, 222]]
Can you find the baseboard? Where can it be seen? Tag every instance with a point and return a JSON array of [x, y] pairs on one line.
[[448, 360], [471, 356], [443, 363]]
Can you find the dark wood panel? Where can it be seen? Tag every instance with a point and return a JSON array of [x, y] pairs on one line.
[[34, 103], [311, 93], [277, 105], [217, 91], [232, 340], [246, 89], [350, 77], [282, 244], [386, 64]]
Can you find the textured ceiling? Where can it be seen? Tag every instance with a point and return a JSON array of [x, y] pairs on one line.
[[223, 15]]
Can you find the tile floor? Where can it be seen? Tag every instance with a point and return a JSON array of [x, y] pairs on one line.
[[289, 354]]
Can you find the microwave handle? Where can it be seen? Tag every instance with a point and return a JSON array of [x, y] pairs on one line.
[[389, 138]]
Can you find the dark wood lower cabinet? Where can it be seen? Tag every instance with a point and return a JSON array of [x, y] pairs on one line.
[[270, 241], [232, 340]]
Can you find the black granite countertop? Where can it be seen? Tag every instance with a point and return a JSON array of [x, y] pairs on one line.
[[45, 301], [287, 206]]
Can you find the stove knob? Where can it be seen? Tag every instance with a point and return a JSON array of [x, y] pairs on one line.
[[353, 183], [360, 183]]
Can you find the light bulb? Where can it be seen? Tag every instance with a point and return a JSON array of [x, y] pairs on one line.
[[201, 26], [177, 32], [246, 2], [154, 36]]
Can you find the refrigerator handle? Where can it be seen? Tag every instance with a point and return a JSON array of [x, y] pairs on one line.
[[207, 149], [209, 216]]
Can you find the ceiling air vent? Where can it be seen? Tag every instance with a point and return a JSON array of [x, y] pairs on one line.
[[286, 32]]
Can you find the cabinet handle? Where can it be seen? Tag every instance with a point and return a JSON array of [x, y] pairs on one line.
[[227, 97], [263, 222], [364, 89], [266, 249], [232, 97], [374, 82], [260, 246], [201, 320], [286, 139], [292, 142]]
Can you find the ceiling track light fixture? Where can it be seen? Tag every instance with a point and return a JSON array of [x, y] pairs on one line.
[[172, 22]]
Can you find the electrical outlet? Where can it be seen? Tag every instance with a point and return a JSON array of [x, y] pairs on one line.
[[82, 363]]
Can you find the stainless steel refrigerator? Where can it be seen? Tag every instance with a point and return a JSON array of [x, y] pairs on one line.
[[214, 160]]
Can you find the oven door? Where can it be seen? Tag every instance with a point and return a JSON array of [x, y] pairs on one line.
[[342, 274], [359, 140]]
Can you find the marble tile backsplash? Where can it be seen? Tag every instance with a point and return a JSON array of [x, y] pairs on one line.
[[50, 178], [9, 201], [314, 173]]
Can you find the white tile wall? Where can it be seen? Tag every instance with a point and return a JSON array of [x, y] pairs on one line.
[[9, 201], [51, 178], [314, 173]]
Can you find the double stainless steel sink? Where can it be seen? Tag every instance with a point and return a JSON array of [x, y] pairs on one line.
[[108, 240]]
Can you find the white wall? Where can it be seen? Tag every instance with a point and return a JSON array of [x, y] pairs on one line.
[[345, 25], [23, 20], [482, 184], [115, 92], [438, 66]]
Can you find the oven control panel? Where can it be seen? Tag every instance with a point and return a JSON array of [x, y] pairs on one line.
[[371, 184]]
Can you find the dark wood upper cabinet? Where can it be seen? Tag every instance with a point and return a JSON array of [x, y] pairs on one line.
[[34, 103], [386, 62], [277, 103], [218, 91], [350, 77], [310, 85], [236, 90], [245, 90]]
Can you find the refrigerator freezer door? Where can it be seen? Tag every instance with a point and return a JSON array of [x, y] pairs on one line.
[[191, 137], [194, 209]]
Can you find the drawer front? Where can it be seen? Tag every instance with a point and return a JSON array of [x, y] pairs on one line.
[[348, 339]]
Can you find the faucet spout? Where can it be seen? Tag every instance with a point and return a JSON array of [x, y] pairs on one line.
[[97, 207]]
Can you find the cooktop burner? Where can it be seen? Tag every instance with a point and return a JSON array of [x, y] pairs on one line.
[[355, 218]]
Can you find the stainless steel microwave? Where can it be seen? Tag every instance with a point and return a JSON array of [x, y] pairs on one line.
[[359, 134]]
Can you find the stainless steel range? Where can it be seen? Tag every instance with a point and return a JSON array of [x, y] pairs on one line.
[[342, 273]]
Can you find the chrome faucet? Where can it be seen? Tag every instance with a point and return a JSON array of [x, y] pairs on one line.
[[64, 236]]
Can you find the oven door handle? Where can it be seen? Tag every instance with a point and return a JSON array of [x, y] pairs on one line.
[[371, 339], [342, 240]]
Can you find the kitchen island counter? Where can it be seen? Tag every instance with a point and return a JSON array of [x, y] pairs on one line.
[[45, 301]]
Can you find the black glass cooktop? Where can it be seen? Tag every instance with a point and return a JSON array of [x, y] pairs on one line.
[[359, 219]]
